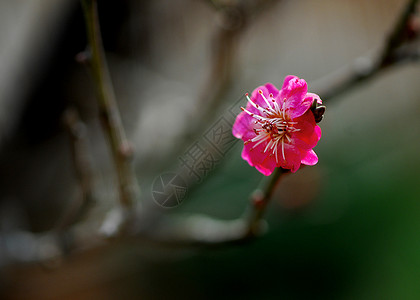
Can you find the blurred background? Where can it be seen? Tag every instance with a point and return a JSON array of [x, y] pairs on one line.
[[346, 228]]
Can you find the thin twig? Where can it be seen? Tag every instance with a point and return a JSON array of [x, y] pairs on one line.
[[201, 230], [259, 202], [120, 147]]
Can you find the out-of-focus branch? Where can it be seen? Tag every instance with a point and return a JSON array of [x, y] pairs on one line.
[[401, 34], [120, 147], [399, 47], [48, 248], [201, 230], [232, 19], [259, 202], [83, 169]]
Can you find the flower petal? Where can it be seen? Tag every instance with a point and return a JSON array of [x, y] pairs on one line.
[[309, 132], [294, 91], [287, 79], [257, 98], [292, 155], [314, 97], [266, 171], [242, 128], [258, 159], [272, 89], [310, 158]]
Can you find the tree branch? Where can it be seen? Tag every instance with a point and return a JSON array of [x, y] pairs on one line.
[[82, 167], [201, 230], [396, 49], [120, 147]]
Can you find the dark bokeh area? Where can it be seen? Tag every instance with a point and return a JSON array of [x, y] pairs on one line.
[[347, 228]]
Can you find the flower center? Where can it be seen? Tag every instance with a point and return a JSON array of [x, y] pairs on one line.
[[272, 124]]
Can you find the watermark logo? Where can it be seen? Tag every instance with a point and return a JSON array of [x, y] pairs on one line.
[[199, 159], [169, 190]]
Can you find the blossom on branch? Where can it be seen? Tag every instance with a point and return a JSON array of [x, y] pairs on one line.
[[278, 127]]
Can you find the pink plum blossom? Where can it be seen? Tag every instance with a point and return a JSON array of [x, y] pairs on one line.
[[278, 127]]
